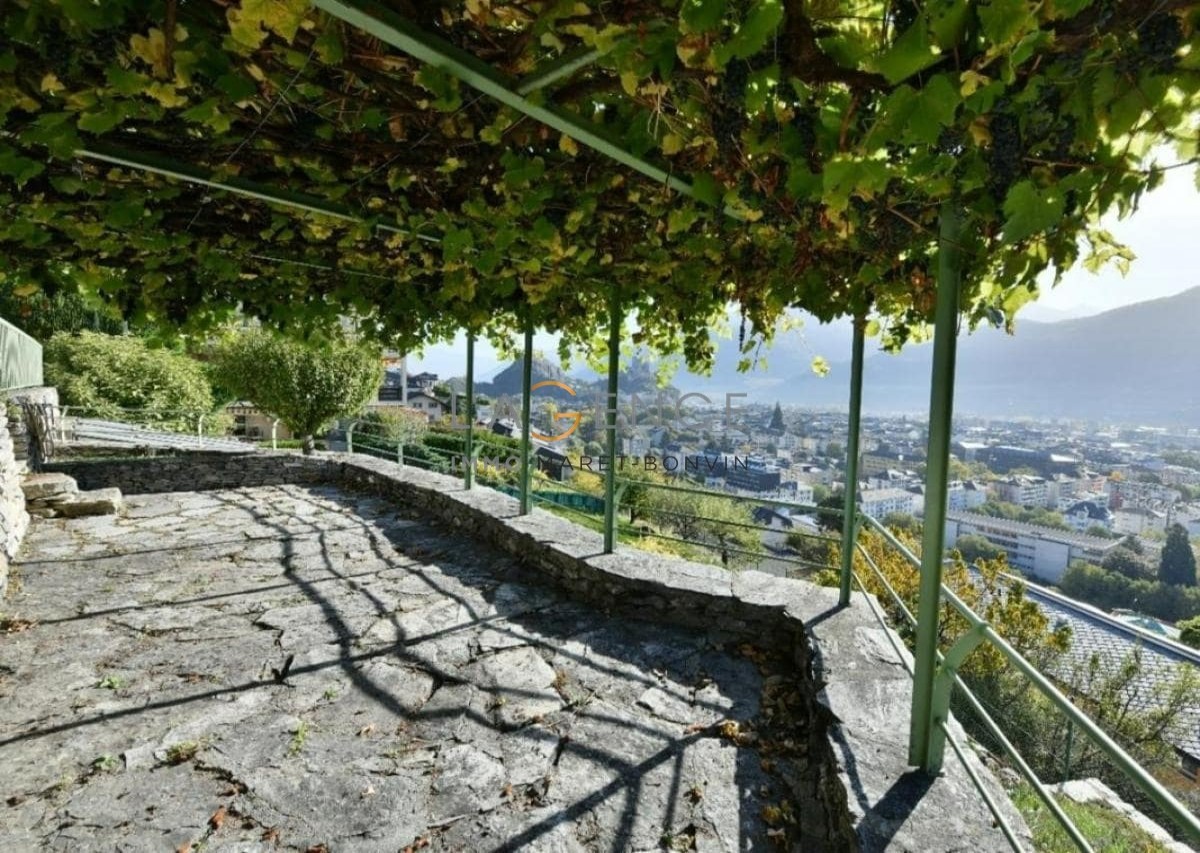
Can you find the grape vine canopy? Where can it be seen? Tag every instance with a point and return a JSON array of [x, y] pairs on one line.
[[787, 153]]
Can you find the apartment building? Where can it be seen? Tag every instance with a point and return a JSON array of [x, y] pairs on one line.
[[1043, 552], [878, 503]]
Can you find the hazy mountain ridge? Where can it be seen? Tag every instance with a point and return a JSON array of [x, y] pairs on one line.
[[1139, 363]]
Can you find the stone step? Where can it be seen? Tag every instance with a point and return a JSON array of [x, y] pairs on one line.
[[38, 487], [95, 502]]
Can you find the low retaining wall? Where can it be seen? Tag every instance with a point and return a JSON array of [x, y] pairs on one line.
[[14, 520], [40, 395], [857, 792]]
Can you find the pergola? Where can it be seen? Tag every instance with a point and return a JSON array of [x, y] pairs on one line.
[[503, 165]]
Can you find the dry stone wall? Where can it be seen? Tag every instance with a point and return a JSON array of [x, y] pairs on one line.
[[14, 520]]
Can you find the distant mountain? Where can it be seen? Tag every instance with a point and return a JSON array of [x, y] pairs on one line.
[[1139, 363], [508, 381]]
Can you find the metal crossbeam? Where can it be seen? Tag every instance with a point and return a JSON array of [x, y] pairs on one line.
[[159, 165], [433, 50], [568, 63], [557, 69]]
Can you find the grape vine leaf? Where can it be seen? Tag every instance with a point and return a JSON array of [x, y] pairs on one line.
[[1029, 210]]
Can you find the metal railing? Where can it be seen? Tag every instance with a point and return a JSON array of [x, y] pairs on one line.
[[20, 359], [948, 680]]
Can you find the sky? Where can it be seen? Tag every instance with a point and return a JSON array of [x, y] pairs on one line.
[[1161, 232]]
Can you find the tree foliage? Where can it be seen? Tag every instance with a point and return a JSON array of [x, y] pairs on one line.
[[1110, 590], [123, 377], [307, 385], [1177, 566], [830, 511], [974, 548], [903, 521], [709, 520], [820, 143], [1032, 515], [1189, 632], [42, 314], [777, 423], [384, 431], [1125, 562]]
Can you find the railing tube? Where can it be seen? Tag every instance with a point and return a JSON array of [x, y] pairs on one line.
[[350, 436], [200, 431], [275, 434]]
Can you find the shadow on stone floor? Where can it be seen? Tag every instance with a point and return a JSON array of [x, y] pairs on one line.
[[515, 718]]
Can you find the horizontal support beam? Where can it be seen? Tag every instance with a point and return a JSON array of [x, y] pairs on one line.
[[559, 68], [568, 63], [433, 50], [159, 165]]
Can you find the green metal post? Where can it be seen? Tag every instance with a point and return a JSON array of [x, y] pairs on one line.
[[468, 444], [610, 476], [526, 382], [849, 521], [924, 729]]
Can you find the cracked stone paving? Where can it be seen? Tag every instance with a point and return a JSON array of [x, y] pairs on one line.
[[294, 668]]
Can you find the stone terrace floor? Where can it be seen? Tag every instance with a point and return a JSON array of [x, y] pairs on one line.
[[439, 697]]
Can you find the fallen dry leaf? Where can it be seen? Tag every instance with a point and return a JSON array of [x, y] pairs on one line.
[[218, 818], [366, 730]]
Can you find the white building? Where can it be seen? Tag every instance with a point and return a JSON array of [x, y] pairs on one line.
[[1043, 552], [965, 495], [1022, 490], [1083, 515], [426, 404], [1136, 520], [877, 503]]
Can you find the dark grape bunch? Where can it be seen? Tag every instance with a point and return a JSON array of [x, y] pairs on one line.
[[729, 111], [727, 124], [902, 14], [1005, 157], [734, 77], [1159, 37], [804, 120], [950, 141]]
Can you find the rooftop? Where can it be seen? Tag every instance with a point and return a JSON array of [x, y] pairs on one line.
[[1053, 534]]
